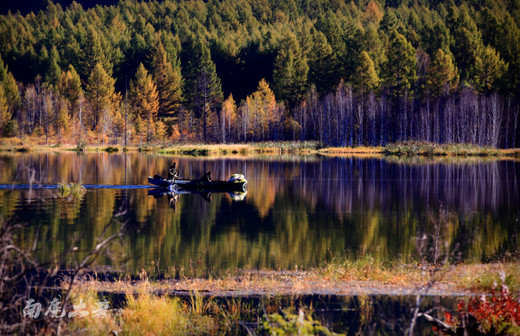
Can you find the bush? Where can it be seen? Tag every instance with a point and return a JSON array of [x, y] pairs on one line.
[[73, 190], [290, 324], [10, 128]]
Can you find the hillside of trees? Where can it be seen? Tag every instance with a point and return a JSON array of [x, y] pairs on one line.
[[345, 73]]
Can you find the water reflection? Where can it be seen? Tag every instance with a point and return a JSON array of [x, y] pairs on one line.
[[173, 195], [300, 211]]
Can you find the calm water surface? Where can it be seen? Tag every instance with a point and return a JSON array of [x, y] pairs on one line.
[[298, 211]]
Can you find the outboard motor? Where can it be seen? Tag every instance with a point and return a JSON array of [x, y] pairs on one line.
[[237, 178]]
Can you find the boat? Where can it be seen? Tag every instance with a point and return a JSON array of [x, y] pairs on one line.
[[236, 182]]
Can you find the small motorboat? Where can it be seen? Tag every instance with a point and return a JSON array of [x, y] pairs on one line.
[[236, 182]]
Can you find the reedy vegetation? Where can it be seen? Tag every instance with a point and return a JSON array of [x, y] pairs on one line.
[[343, 73]]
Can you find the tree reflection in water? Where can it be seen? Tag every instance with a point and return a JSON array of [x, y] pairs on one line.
[[299, 211]]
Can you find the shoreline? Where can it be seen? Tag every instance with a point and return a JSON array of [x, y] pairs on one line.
[[339, 280], [404, 149]]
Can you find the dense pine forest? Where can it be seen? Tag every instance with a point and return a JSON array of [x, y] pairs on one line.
[[345, 73]]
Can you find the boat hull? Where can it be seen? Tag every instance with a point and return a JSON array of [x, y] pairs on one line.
[[199, 185]]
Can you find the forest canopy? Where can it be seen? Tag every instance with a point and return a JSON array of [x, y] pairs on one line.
[[345, 73]]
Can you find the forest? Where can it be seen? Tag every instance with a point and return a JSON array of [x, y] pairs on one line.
[[344, 73]]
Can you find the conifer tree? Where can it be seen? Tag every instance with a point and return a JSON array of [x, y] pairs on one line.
[[467, 41], [168, 82], [329, 25], [203, 87], [54, 72], [321, 62], [373, 13], [5, 113], [69, 85], [441, 72], [290, 71], [144, 100], [400, 69], [263, 110], [63, 120], [93, 52], [9, 96], [489, 69], [101, 92], [365, 77], [228, 119], [11, 92], [371, 42]]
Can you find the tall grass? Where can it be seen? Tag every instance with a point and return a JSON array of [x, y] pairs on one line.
[[144, 314], [428, 148]]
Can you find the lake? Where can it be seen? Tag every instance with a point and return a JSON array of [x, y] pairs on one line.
[[298, 211]]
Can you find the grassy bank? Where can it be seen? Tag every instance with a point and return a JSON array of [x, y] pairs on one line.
[[147, 313], [409, 148], [153, 307], [362, 277], [412, 148]]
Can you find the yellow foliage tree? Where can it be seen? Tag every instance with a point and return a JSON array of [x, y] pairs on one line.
[[441, 73], [144, 99], [63, 120], [373, 13], [102, 96], [5, 113], [262, 110], [228, 118]]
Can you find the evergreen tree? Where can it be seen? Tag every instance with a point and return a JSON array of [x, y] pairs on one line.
[[440, 73], [144, 100], [101, 92], [69, 85], [54, 72], [5, 113], [435, 37], [168, 82], [467, 42], [263, 111], [329, 24], [202, 85], [63, 120], [400, 69], [371, 42], [93, 52], [321, 63], [389, 22], [11, 92], [9, 99], [290, 71], [365, 78], [489, 69]]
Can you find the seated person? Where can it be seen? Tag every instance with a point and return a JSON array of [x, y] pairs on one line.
[[206, 177], [173, 174]]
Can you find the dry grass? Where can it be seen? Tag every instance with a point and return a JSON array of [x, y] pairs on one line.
[[408, 148], [143, 314], [412, 148], [351, 150], [362, 277], [483, 277], [148, 311]]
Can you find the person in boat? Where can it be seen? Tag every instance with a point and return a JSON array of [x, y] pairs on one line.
[[206, 177], [173, 173]]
